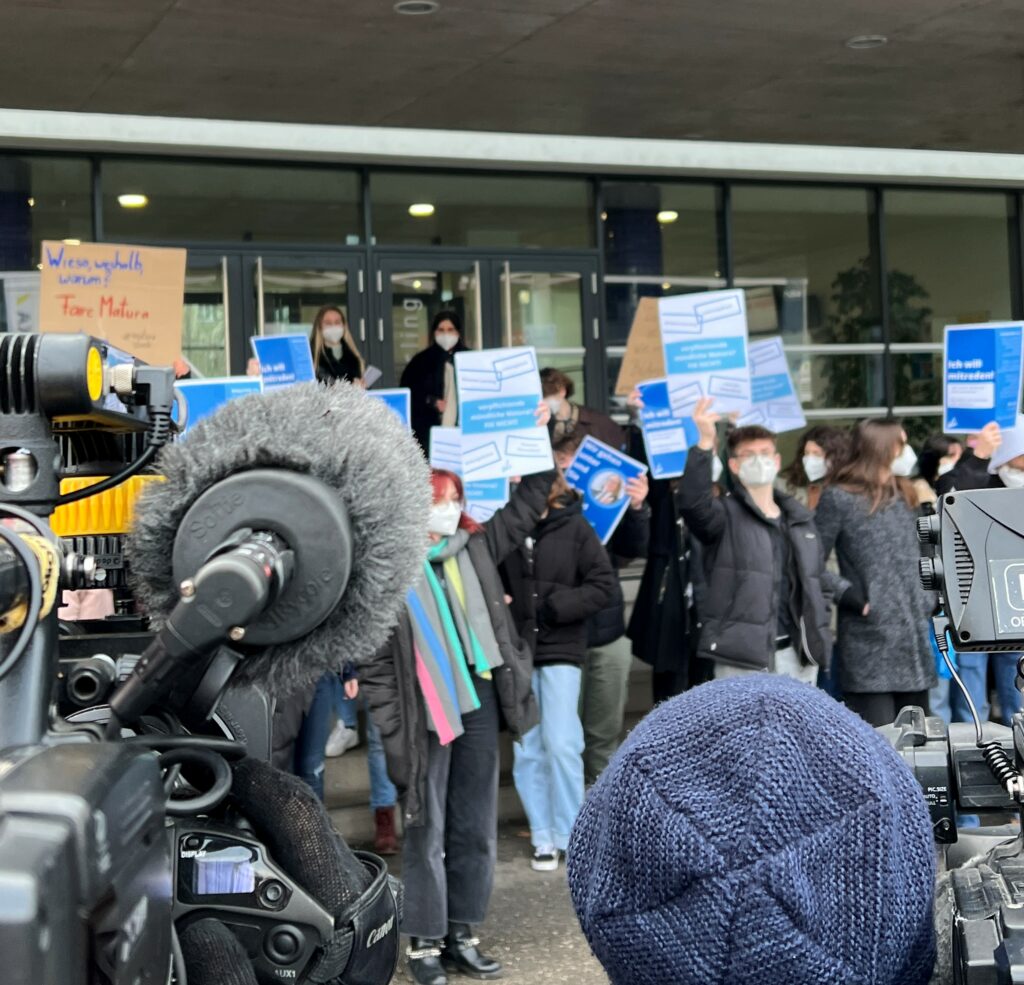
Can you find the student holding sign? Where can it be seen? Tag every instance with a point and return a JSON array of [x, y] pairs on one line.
[[766, 606], [558, 579]]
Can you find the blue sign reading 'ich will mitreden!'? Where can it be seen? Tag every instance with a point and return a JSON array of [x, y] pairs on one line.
[[981, 376]]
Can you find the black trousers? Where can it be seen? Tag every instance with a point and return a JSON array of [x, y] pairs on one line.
[[882, 708], [448, 861]]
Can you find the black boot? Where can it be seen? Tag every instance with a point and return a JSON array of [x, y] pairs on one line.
[[460, 954], [424, 956]]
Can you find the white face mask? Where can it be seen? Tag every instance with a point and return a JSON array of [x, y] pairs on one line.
[[716, 469], [815, 468], [447, 340], [333, 334], [904, 463], [554, 403], [444, 519], [946, 466], [758, 470], [1012, 478]]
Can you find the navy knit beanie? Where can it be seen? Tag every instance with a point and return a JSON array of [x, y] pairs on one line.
[[754, 830]]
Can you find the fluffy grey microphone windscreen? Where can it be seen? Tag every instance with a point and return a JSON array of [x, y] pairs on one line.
[[354, 444]]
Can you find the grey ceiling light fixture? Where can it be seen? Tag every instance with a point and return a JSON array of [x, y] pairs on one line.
[[416, 8], [860, 42]]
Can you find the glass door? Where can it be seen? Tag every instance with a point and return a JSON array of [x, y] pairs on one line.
[[553, 306], [286, 292], [410, 292], [206, 340]]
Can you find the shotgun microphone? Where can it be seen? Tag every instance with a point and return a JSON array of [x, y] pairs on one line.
[[289, 527]]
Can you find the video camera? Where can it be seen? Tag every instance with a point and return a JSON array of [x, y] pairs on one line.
[[973, 556], [123, 824]]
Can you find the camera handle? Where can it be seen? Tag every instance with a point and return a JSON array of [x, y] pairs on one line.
[[226, 595]]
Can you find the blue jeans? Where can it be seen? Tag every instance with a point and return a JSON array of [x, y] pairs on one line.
[[973, 670], [939, 699], [382, 790], [316, 726], [548, 768], [328, 699], [828, 680]]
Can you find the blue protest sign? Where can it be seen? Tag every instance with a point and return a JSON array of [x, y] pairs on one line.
[[981, 380], [499, 392], [704, 337], [600, 473], [666, 437], [283, 359], [776, 405], [202, 397], [399, 400]]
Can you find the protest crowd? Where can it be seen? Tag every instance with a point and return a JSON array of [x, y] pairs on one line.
[[804, 569]]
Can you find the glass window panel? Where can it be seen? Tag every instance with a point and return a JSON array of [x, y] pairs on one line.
[[622, 294], [826, 380], [804, 253], [204, 323], [546, 309], [481, 210], [231, 203], [659, 228], [949, 261], [917, 378], [41, 198]]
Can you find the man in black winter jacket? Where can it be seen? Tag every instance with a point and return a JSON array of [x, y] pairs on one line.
[[766, 605]]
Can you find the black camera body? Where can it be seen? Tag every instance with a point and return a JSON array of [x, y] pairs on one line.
[[220, 871], [974, 557], [84, 865]]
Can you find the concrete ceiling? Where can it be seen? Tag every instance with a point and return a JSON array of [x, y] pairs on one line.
[[950, 77]]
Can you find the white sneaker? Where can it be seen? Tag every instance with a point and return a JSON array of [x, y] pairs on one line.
[[545, 859], [341, 739]]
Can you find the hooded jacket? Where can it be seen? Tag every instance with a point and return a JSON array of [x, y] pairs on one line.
[[741, 605], [389, 679], [557, 579]]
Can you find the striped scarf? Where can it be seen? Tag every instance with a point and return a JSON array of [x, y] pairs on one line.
[[451, 632]]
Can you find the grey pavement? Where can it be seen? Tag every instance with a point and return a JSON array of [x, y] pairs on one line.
[[531, 928]]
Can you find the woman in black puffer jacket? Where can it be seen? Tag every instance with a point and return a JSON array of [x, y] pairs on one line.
[[557, 581]]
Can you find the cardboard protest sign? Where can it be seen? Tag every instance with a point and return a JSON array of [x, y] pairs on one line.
[[705, 341], [644, 358], [776, 405], [499, 392], [483, 498], [981, 379], [666, 437], [398, 400], [284, 359], [130, 296], [600, 473], [202, 397]]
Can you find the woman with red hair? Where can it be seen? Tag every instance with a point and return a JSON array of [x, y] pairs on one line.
[[454, 668]]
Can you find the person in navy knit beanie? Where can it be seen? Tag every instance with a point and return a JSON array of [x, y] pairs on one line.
[[754, 830]]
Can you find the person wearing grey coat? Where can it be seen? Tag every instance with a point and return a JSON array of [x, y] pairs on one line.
[[885, 657]]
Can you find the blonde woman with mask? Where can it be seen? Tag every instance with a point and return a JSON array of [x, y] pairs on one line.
[[335, 354]]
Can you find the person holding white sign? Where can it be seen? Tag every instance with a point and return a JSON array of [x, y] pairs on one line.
[[766, 604]]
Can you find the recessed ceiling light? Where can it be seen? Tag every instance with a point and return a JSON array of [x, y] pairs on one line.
[[132, 200], [416, 8], [417, 284], [862, 41], [666, 286], [31, 203], [667, 215], [71, 242], [421, 210]]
